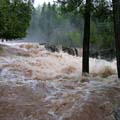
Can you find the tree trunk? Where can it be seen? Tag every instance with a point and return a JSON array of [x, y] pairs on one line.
[[116, 14], [86, 38]]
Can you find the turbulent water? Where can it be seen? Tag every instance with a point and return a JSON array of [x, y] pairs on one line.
[[36, 84]]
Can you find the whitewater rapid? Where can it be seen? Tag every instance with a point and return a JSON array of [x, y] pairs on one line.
[[36, 84]]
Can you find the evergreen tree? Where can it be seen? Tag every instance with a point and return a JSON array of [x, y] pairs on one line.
[[15, 16]]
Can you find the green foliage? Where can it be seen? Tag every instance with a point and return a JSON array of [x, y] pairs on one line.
[[94, 37], [101, 20], [75, 38], [55, 27], [102, 10], [15, 17], [63, 24]]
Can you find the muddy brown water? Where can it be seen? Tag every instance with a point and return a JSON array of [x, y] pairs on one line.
[[36, 84]]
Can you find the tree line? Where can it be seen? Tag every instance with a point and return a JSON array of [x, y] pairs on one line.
[[53, 21]]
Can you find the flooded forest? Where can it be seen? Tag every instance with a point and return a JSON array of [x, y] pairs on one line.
[[60, 60]]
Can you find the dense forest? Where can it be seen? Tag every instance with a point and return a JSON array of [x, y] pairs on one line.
[[58, 24]]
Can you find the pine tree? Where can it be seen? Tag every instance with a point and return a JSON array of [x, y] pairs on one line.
[[15, 16]]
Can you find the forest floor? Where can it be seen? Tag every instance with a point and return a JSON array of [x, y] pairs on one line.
[[36, 84]]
